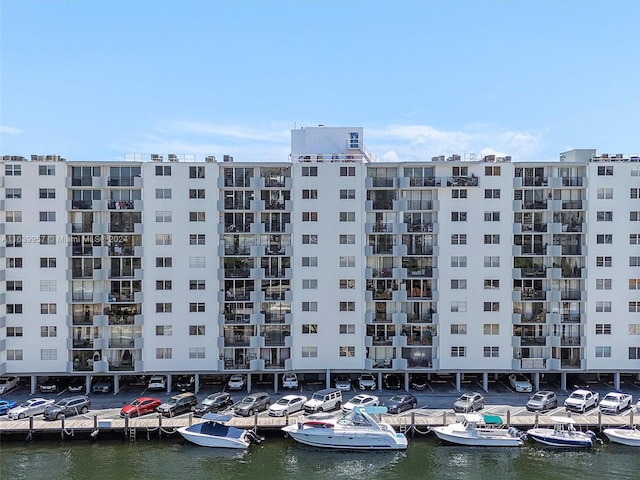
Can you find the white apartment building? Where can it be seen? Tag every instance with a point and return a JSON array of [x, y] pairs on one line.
[[329, 263]]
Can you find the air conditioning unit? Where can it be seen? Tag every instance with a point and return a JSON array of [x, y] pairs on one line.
[[227, 158], [210, 159]]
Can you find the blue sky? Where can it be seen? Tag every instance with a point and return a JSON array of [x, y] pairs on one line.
[[93, 80]]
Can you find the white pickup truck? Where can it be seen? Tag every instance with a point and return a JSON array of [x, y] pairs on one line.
[[615, 402], [581, 400]]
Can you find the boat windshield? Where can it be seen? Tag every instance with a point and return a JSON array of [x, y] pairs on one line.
[[354, 418]]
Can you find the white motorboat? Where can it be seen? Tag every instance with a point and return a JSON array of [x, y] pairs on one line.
[[624, 436], [480, 430], [563, 434], [356, 430], [216, 433]]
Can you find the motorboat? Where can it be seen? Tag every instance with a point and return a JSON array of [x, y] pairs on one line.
[[215, 432], [358, 429], [563, 434], [624, 436], [480, 430]]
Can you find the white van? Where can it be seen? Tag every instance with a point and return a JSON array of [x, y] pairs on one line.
[[324, 401]]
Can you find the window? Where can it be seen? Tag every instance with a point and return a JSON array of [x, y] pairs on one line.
[[13, 193], [348, 261], [605, 170], [634, 307], [309, 306], [491, 262], [14, 285], [163, 216], [491, 352], [46, 170], [163, 239], [310, 193], [458, 329], [309, 239], [458, 284], [347, 306], [459, 261], [492, 193], [602, 216], [14, 262], [48, 331], [347, 239], [309, 351], [347, 171], [47, 240], [13, 216], [603, 306], [166, 307], [603, 329], [14, 240], [196, 193], [48, 354], [492, 171], [491, 216], [196, 284], [604, 193], [48, 309], [13, 171], [458, 352], [197, 216], [634, 284], [48, 262], [347, 216], [309, 216], [634, 329], [309, 283], [14, 331], [163, 353], [603, 261], [309, 171], [164, 330], [459, 193], [491, 284], [196, 307], [14, 354], [163, 171], [603, 284], [347, 194], [163, 284], [197, 262], [309, 261], [48, 285], [354, 140], [47, 193], [604, 239], [14, 308], [196, 352], [491, 329], [492, 239], [458, 306], [460, 171], [634, 216], [197, 330], [347, 328], [458, 216], [347, 283], [634, 239], [196, 239], [634, 261], [308, 328], [603, 352], [196, 172], [634, 193], [347, 351], [458, 239], [491, 306]]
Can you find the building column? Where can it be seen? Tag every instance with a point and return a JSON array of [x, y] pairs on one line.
[[275, 382], [248, 377], [379, 381], [327, 378], [196, 387], [458, 379], [406, 381], [485, 382], [34, 384], [616, 381], [563, 381], [116, 384], [536, 381]]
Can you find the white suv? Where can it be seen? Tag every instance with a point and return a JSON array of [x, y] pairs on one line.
[[157, 382], [324, 401]]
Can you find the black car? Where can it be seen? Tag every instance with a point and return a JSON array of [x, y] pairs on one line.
[[77, 385], [214, 403], [392, 382], [419, 382], [400, 403], [183, 402], [67, 407], [102, 385], [186, 383]]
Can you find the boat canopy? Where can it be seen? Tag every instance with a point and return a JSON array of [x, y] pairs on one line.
[[371, 410], [216, 417], [492, 420]]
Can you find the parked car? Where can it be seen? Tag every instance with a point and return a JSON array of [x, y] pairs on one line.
[[469, 402], [181, 403], [77, 385], [6, 405], [50, 384], [157, 382], [102, 385], [343, 384], [542, 401], [615, 402], [392, 381], [361, 400], [33, 406], [214, 403], [237, 382], [67, 407], [520, 383], [324, 400], [186, 383], [400, 403], [582, 400], [287, 405], [140, 406], [367, 381], [8, 383], [290, 380], [256, 402], [419, 382]]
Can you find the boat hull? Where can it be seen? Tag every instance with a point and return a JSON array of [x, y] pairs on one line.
[[547, 436], [322, 435], [493, 439], [213, 441], [623, 436]]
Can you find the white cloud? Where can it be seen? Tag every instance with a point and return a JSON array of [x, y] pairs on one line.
[[10, 130]]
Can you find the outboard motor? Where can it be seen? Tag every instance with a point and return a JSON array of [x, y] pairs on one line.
[[253, 437], [594, 437]]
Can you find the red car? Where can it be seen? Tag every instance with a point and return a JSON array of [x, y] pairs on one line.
[[140, 406]]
